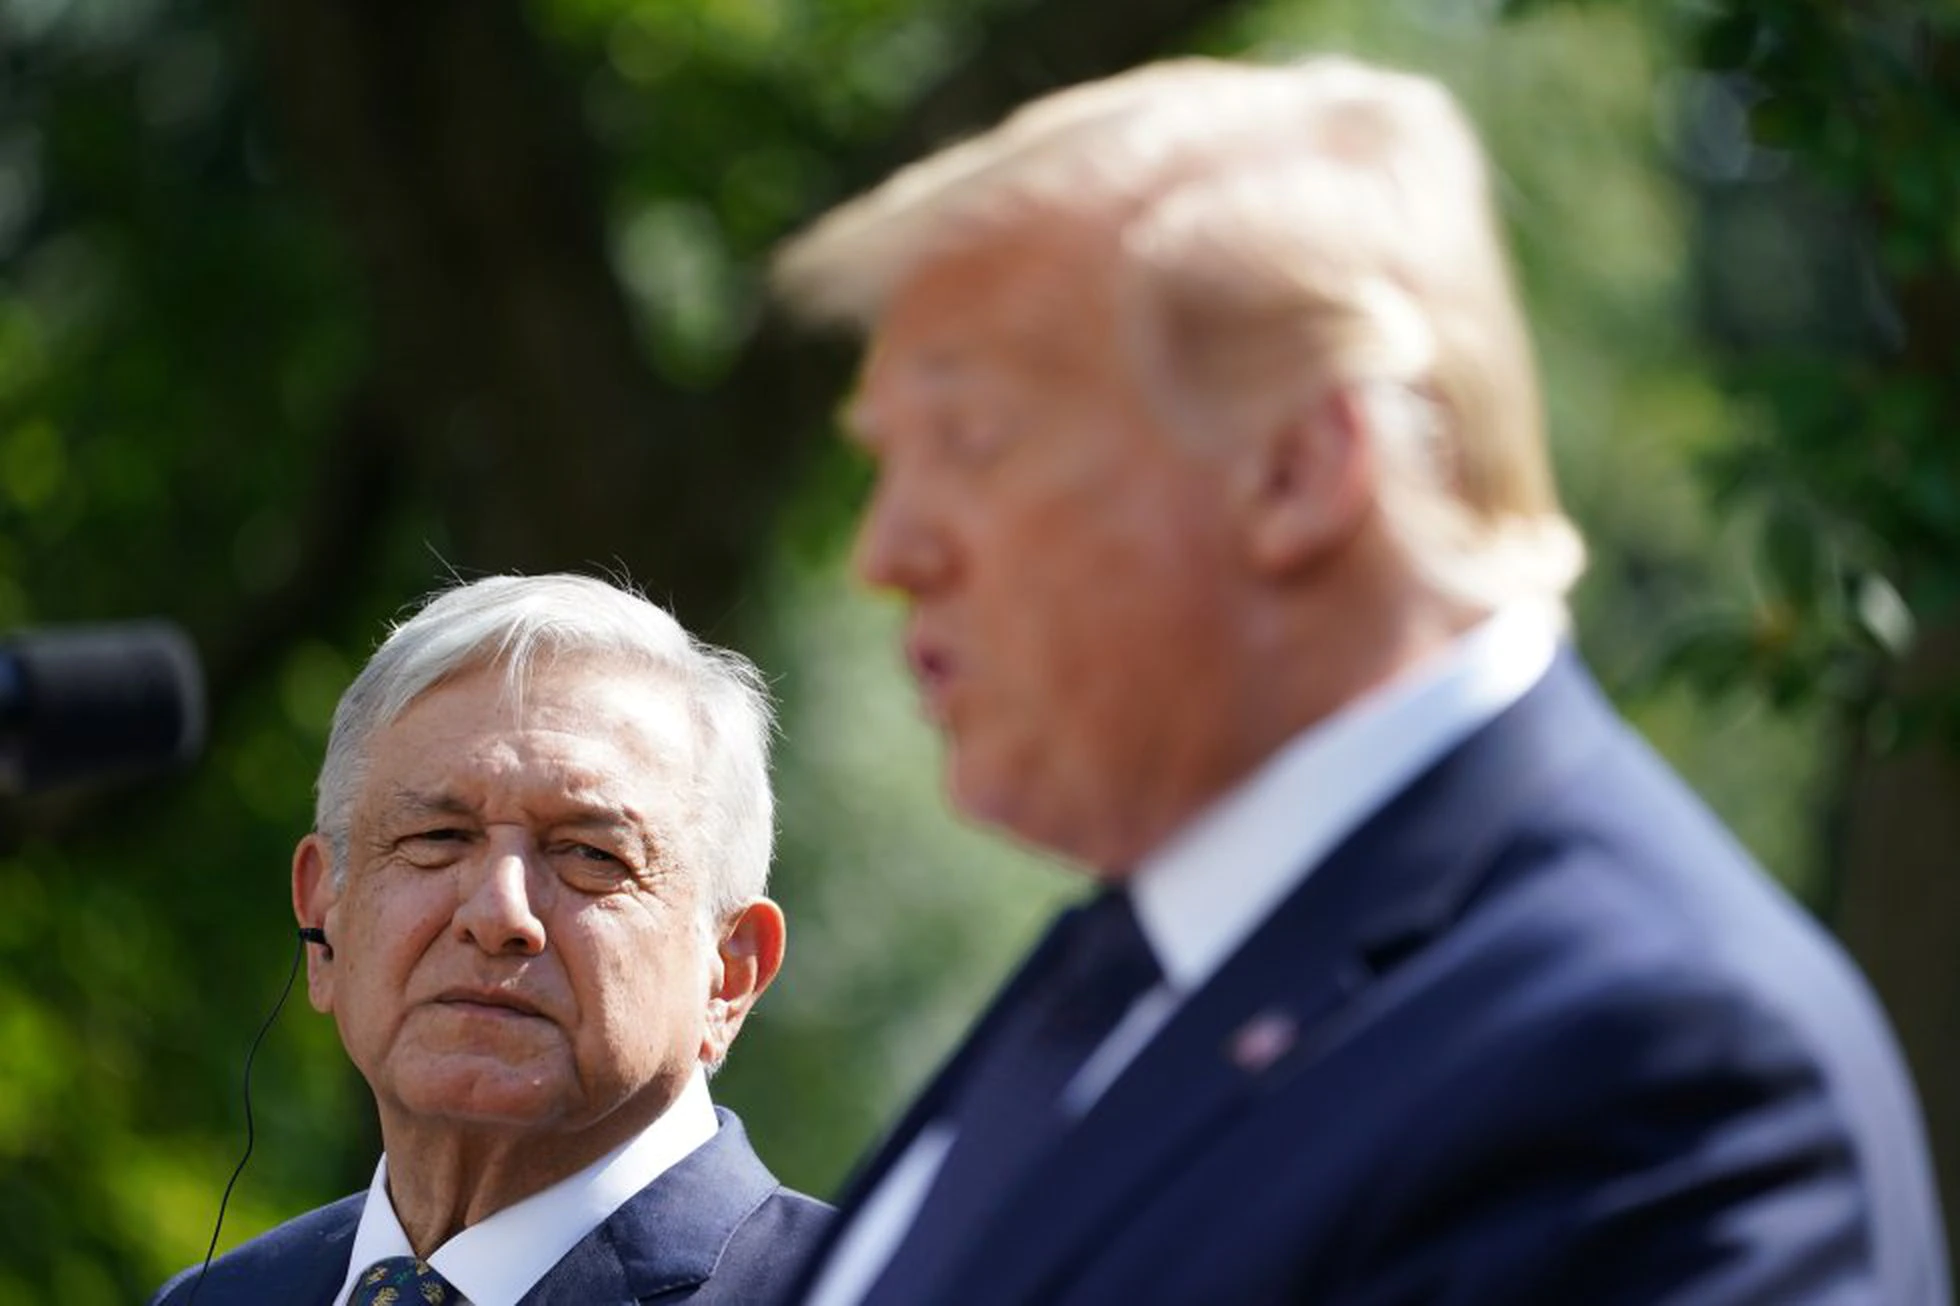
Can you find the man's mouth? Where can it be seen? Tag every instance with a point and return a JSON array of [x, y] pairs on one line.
[[488, 1001], [932, 670]]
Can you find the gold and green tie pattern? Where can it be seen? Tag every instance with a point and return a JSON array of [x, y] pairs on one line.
[[403, 1281]]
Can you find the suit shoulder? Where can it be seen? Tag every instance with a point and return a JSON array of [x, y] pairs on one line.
[[314, 1245], [1630, 966], [1636, 933], [768, 1249], [783, 1226], [1624, 871], [794, 1215]]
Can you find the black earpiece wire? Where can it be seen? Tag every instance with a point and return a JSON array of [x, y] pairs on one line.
[[299, 951]]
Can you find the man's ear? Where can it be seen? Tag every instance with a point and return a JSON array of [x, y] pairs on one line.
[[1306, 481], [747, 957], [314, 901]]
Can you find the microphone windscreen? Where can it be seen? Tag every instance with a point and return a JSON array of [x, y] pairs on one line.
[[97, 702]]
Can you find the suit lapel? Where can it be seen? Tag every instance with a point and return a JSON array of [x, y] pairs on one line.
[[671, 1233], [303, 1262], [932, 1102], [328, 1271], [1289, 994]]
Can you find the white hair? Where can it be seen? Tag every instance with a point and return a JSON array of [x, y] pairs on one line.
[[1275, 231], [518, 624]]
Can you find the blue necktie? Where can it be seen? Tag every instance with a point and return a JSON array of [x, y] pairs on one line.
[[403, 1281], [1007, 1113]]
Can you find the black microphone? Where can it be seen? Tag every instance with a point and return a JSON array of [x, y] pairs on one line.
[[97, 702]]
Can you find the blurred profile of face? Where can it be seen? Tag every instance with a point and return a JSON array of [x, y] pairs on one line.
[[1066, 560], [515, 943]]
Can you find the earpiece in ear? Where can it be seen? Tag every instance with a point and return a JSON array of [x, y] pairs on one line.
[[314, 934]]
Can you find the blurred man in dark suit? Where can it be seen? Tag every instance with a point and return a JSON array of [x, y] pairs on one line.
[[1209, 465], [537, 877]]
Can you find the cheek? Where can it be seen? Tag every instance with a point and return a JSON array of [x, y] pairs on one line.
[[1095, 615], [640, 994], [368, 1010], [380, 938]]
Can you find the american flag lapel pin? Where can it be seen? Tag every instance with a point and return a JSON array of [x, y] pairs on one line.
[[1262, 1040]]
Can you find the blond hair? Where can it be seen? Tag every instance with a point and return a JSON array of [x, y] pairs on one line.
[[1278, 229]]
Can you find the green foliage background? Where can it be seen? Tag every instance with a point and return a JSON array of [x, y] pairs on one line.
[[274, 387]]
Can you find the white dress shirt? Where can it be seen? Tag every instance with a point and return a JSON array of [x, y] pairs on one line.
[[500, 1258], [1204, 891]]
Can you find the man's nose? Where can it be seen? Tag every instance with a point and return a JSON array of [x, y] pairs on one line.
[[901, 544], [498, 911]]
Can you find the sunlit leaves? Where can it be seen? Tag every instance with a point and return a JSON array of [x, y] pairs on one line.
[[1845, 340], [181, 333]]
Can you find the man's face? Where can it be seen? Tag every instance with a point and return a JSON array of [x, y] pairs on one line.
[[514, 943], [1068, 562]]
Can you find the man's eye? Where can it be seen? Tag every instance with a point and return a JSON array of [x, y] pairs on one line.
[[590, 856], [433, 847], [591, 868]]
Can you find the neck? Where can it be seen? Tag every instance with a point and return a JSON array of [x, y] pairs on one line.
[[1319, 647], [443, 1178], [1345, 640]]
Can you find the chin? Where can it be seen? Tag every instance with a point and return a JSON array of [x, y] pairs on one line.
[[1015, 801], [503, 1096], [981, 793]]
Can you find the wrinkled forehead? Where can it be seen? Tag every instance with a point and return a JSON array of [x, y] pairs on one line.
[[602, 694]]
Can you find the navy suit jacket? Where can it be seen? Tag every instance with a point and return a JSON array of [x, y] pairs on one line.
[[1537, 1034], [716, 1228]]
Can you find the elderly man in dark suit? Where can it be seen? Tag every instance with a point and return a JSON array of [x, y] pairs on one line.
[[1209, 465], [536, 889]]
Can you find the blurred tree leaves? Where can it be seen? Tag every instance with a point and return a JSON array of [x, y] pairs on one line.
[[1845, 139], [305, 304], [1822, 145]]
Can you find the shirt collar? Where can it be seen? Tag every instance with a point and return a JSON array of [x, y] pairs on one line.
[[495, 1261], [1201, 893]]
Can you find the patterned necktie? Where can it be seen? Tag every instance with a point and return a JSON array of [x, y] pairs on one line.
[[1007, 1113], [403, 1281]]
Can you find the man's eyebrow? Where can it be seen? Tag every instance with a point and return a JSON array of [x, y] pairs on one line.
[[413, 803], [582, 817], [622, 823], [932, 375], [407, 806]]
